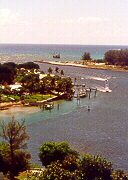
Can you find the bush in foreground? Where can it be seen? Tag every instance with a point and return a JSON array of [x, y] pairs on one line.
[[64, 163]]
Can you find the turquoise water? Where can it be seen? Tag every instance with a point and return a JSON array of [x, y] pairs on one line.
[[31, 52], [103, 130]]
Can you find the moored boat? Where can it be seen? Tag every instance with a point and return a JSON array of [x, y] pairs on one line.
[[83, 95], [48, 106]]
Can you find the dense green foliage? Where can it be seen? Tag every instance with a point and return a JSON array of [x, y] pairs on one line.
[[120, 174], [22, 162], [64, 162], [15, 135], [73, 166], [55, 171], [93, 167], [7, 74], [51, 152], [30, 81], [4, 163], [61, 161], [111, 57], [29, 65], [50, 70], [50, 83], [11, 64], [8, 71], [117, 57], [86, 56]]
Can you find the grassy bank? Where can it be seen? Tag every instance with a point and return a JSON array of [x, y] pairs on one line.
[[8, 102], [27, 98], [86, 65], [106, 67], [37, 97]]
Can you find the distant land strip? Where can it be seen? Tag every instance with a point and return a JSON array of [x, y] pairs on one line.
[[91, 66]]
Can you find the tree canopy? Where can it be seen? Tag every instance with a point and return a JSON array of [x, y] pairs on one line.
[[64, 163], [15, 135], [29, 65], [117, 57], [11, 64], [50, 70], [8, 71], [51, 152], [7, 74], [86, 56], [92, 167]]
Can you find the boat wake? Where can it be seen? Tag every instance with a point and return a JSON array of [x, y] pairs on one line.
[[105, 90], [98, 87], [101, 88], [97, 78]]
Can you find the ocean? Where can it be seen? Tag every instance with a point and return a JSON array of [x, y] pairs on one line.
[[31, 52], [103, 130]]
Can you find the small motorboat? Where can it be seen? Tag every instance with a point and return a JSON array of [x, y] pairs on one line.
[[48, 106]]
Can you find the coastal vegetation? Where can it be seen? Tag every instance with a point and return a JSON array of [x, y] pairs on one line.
[[13, 159], [51, 152], [117, 57], [113, 59], [25, 83], [9, 71], [7, 74], [86, 56], [60, 160]]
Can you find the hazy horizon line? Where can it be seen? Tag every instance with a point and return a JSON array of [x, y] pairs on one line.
[[65, 44]]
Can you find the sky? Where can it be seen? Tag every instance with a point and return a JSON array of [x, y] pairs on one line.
[[89, 22]]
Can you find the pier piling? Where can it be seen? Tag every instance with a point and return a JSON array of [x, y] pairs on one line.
[[58, 106], [88, 108]]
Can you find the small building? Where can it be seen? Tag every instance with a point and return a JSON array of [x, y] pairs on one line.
[[15, 86]]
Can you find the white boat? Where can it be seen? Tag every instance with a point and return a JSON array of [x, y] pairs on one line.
[[48, 106], [82, 95]]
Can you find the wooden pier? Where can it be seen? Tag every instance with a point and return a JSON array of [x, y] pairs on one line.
[[82, 91]]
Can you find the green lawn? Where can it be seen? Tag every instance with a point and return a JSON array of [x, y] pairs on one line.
[[38, 97], [27, 98], [107, 67], [10, 97]]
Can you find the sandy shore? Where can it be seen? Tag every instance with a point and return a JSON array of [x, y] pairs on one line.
[[62, 63], [19, 109], [91, 66], [9, 104], [12, 107]]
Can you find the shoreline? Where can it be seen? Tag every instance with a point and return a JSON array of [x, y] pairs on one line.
[[7, 105], [18, 110], [76, 64]]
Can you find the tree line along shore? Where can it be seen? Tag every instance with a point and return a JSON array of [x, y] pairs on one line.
[[26, 84]]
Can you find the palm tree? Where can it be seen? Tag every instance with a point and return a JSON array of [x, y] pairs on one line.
[[62, 72], [57, 70], [50, 70]]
